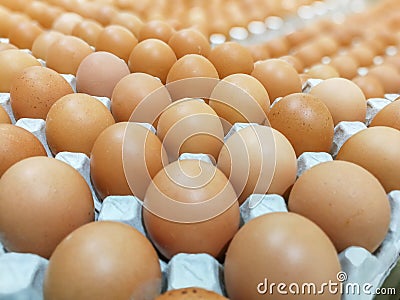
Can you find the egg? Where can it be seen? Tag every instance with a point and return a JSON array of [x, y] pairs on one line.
[[116, 39], [375, 149], [66, 22], [68, 116], [322, 71], [35, 90], [189, 41], [7, 46], [42, 12], [128, 20], [388, 75], [66, 54], [153, 57], [183, 206], [127, 259], [156, 29], [346, 201], [42, 200], [267, 161], [308, 53], [287, 250], [190, 126], [344, 99], [345, 65], [259, 52], [10, 20], [24, 34], [294, 61], [139, 97], [388, 116], [42, 43], [99, 72], [16, 144], [87, 30], [11, 63], [305, 121], [363, 55], [190, 293], [231, 58], [277, 47], [4, 117], [278, 77], [371, 86]]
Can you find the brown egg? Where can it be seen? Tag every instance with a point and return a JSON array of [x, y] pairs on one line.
[[42, 12], [7, 46], [87, 30], [267, 161], [376, 149], [278, 77], [183, 206], [344, 99], [127, 259], [322, 71], [35, 90], [42, 43], [42, 200], [9, 21], [153, 57], [139, 97], [68, 117], [114, 172], [156, 30], [117, 40], [393, 60], [240, 98], [346, 66], [305, 121], [259, 52], [66, 53], [24, 34], [104, 12], [344, 200], [388, 75], [388, 116], [278, 47], [189, 41], [190, 126], [363, 55], [11, 63], [190, 293], [17, 144], [99, 72], [308, 54], [66, 22], [370, 86], [4, 117], [129, 21], [231, 58], [294, 61], [280, 243]]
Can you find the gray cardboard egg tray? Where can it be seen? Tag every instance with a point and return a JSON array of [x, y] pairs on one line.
[[21, 274]]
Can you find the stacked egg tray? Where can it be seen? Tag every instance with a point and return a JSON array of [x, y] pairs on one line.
[[22, 274]]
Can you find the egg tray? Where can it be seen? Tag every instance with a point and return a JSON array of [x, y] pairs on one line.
[[22, 274]]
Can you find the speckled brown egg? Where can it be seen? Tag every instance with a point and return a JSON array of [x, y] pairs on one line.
[[305, 121], [189, 41], [42, 43], [35, 90], [68, 117], [23, 34], [371, 86], [388, 116], [4, 117]]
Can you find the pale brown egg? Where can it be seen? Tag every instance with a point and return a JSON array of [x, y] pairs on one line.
[[231, 58], [346, 66], [344, 99], [189, 41], [185, 203], [4, 117], [66, 53], [42, 200], [363, 55], [24, 34], [267, 161], [346, 201], [322, 71], [156, 30], [35, 90], [74, 122], [99, 72], [9, 21], [17, 144], [128, 20], [280, 243], [66, 22], [42, 43], [370, 86], [7, 46], [388, 116], [87, 30], [294, 61], [376, 149], [278, 77], [118, 40], [305, 121], [388, 75], [127, 259], [139, 97], [11, 63], [153, 57]]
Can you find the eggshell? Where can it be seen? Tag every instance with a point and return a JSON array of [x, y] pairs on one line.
[[128, 20], [278, 77], [11, 63], [189, 41], [344, 200], [127, 259], [375, 149], [35, 90], [371, 86], [17, 144], [388, 75], [68, 117], [156, 29], [305, 121], [280, 243], [87, 30], [153, 57], [4, 117], [388, 116], [183, 206], [42, 200], [99, 72], [189, 293], [344, 99], [42, 43], [23, 34]]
